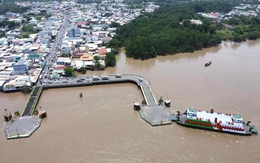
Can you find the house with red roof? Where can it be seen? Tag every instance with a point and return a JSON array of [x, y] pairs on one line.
[[79, 24], [102, 51]]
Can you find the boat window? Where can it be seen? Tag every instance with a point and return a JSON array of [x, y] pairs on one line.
[[236, 120], [192, 114]]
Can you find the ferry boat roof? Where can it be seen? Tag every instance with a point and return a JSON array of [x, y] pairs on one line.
[[211, 116]]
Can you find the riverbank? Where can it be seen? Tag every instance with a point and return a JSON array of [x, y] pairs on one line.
[[103, 127]]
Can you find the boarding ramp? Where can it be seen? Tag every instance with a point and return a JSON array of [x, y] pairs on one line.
[[32, 101]]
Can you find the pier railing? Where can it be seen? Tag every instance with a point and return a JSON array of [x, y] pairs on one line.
[[36, 100], [144, 94], [32, 101]]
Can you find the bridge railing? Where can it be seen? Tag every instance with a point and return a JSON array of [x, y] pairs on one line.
[[145, 97], [28, 101], [155, 101], [35, 102]]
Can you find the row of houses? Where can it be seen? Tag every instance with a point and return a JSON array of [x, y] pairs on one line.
[[22, 59], [90, 25], [243, 9]]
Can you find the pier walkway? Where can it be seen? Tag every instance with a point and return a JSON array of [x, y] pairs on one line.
[[32, 101], [152, 112], [25, 125]]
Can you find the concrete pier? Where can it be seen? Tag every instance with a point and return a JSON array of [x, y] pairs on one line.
[[28, 123], [22, 127]]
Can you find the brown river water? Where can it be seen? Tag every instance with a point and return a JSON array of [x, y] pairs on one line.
[[103, 127]]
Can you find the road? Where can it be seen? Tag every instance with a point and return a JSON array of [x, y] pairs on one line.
[[143, 83], [52, 57]]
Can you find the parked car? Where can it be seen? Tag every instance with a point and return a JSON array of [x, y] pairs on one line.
[[95, 78], [118, 76], [104, 77], [79, 81]]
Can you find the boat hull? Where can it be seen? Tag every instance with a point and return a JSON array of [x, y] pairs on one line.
[[211, 129], [208, 63]]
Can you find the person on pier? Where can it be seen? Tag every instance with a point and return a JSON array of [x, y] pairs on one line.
[[160, 101]]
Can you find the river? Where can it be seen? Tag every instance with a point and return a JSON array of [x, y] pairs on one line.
[[103, 127]]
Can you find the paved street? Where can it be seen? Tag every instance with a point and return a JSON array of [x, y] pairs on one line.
[[52, 57]]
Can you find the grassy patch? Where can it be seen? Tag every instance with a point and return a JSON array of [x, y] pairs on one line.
[[225, 34]]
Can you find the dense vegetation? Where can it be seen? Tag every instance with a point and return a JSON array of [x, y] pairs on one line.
[[13, 1], [4, 8], [110, 60], [245, 27], [27, 30], [10, 24], [168, 30], [38, 16]]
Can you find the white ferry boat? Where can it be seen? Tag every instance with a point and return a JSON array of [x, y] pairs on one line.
[[217, 121]]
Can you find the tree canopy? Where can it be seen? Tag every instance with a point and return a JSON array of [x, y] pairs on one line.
[[167, 30], [4, 8], [69, 71], [110, 60]]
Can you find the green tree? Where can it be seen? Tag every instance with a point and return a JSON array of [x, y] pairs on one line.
[[253, 35], [238, 38], [26, 89], [69, 72], [96, 58], [28, 28], [212, 29], [114, 25], [83, 70], [97, 66], [64, 55], [110, 60]]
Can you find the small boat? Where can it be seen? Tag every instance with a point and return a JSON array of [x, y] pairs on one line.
[[216, 121], [208, 63]]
